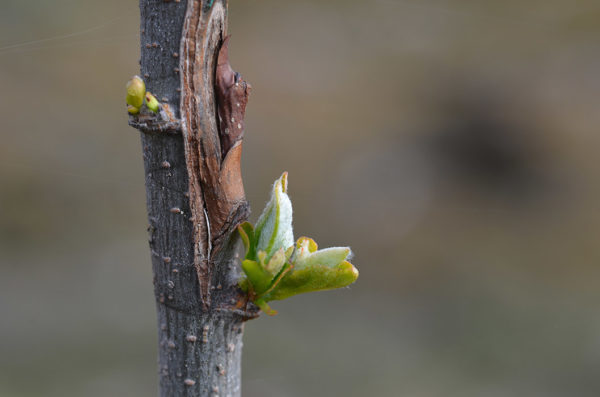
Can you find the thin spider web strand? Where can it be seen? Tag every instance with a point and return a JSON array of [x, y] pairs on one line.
[[62, 37]]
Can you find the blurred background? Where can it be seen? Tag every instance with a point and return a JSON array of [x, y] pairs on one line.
[[452, 144]]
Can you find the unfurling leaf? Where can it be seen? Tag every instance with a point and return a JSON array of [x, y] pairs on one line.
[[274, 226], [315, 278]]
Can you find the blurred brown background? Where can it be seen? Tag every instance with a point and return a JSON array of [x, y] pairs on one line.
[[452, 144]]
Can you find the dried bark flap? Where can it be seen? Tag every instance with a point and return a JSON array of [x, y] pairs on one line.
[[232, 97], [213, 103]]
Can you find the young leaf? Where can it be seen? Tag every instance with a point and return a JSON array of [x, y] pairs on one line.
[[259, 279], [246, 231], [314, 278], [326, 257], [274, 227]]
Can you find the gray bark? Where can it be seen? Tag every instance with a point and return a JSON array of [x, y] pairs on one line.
[[194, 203]]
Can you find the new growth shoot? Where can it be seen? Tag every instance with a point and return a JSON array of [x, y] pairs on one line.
[[276, 268]]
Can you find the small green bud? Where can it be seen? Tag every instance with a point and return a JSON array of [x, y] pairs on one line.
[[136, 90], [152, 102], [132, 109]]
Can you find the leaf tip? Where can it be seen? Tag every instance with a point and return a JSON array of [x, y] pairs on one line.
[[284, 181], [352, 271]]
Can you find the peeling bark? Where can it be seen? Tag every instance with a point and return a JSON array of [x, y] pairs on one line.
[[232, 97], [195, 194], [217, 198]]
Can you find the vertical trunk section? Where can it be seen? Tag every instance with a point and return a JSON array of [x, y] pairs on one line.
[[199, 350], [211, 350], [195, 200]]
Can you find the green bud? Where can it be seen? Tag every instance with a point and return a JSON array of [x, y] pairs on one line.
[[132, 109], [152, 102], [136, 90]]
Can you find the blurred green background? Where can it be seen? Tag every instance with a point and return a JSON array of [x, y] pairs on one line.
[[452, 144]]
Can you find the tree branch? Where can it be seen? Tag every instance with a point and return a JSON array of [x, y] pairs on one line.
[[195, 194]]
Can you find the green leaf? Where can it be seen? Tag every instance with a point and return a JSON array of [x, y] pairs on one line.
[[246, 231], [307, 254], [315, 278], [326, 257], [274, 227], [282, 273], [259, 279]]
